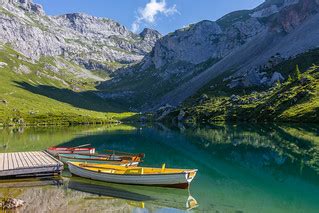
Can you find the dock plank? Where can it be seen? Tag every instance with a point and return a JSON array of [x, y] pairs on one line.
[[14, 160], [11, 165], [34, 163], [25, 159], [1, 161], [44, 158], [35, 159], [49, 158], [9, 161], [6, 163], [19, 161], [38, 155]]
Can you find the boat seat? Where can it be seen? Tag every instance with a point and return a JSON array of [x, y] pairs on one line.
[[106, 170], [137, 171]]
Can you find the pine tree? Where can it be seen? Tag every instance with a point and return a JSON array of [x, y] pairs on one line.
[[289, 78], [297, 73]]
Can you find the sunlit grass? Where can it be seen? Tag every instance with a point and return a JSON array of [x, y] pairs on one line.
[[22, 106]]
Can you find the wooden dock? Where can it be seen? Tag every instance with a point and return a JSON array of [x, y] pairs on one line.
[[26, 164]]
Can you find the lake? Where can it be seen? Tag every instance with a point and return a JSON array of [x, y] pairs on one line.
[[242, 168]]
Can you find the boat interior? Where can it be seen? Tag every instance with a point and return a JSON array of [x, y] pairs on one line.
[[114, 169]]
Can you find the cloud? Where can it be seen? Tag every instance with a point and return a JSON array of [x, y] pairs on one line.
[[149, 13]]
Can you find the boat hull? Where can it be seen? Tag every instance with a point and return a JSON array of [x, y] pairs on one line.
[[57, 151], [178, 180]]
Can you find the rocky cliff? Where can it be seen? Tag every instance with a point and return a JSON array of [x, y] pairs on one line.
[[238, 46], [95, 43]]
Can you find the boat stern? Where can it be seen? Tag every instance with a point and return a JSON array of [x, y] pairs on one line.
[[190, 175]]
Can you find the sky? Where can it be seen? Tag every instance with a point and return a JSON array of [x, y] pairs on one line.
[[163, 15]]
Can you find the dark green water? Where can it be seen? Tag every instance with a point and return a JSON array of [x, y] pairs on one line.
[[242, 168]]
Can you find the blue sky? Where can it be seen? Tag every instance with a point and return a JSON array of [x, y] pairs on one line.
[[163, 15]]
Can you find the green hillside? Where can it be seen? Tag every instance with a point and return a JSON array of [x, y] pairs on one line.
[[42, 93], [296, 100]]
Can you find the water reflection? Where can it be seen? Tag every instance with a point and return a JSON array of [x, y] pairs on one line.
[[68, 193], [106, 191], [281, 149], [242, 168], [143, 196], [33, 182]]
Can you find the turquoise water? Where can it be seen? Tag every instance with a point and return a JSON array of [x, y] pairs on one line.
[[242, 168]]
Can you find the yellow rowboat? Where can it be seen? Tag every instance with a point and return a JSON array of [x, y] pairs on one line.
[[177, 178]]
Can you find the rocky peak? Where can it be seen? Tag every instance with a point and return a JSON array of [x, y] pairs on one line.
[[88, 24], [26, 5], [150, 34], [93, 42]]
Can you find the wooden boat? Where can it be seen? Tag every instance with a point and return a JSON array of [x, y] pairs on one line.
[[127, 154], [101, 159], [55, 151], [178, 178]]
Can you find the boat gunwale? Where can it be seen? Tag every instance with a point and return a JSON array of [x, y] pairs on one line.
[[69, 148], [116, 162], [92, 159], [62, 155]]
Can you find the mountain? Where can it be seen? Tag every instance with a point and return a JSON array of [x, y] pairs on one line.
[[50, 65], [77, 68], [92, 42], [236, 49]]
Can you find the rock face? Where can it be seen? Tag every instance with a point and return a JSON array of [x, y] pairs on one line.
[[270, 7], [95, 43], [238, 43], [275, 78], [199, 42], [26, 5], [192, 44], [151, 36]]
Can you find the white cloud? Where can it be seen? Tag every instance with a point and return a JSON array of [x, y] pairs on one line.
[[149, 13]]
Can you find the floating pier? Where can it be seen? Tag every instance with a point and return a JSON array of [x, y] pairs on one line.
[[29, 164]]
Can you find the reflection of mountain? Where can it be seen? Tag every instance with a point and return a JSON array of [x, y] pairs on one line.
[[289, 149], [36, 139]]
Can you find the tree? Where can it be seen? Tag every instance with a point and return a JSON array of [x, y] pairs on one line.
[[297, 73], [289, 78]]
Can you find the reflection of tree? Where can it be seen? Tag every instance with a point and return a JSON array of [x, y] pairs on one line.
[[282, 148]]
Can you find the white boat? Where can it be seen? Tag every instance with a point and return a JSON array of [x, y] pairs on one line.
[[177, 178], [101, 159]]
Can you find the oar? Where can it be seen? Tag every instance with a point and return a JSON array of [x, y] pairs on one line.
[[84, 145], [124, 153]]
